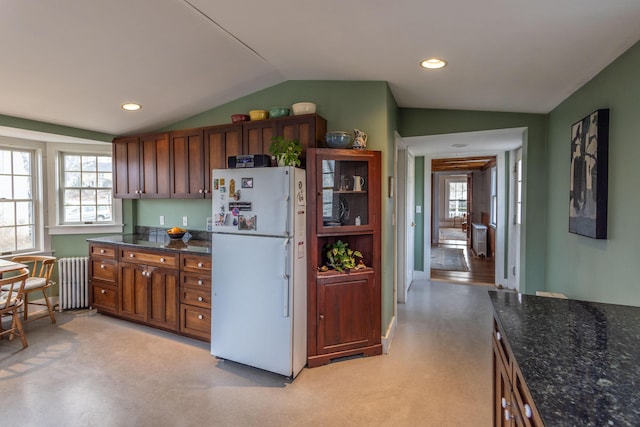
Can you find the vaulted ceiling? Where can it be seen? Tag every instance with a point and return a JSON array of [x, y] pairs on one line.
[[74, 62]]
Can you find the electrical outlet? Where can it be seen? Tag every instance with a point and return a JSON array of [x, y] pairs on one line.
[[185, 221], [161, 219]]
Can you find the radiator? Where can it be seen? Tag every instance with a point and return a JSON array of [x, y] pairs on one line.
[[73, 276], [479, 239]]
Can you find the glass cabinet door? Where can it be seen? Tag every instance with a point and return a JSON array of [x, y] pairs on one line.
[[345, 196]]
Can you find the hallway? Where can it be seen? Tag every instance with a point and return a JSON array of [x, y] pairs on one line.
[[481, 269], [93, 370]]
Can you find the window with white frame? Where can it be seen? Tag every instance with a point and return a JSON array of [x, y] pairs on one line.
[[86, 183], [18, 231], [494, 195], [457, 203]]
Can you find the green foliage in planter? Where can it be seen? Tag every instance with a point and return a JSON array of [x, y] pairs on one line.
[[286, 151], [340, 257]]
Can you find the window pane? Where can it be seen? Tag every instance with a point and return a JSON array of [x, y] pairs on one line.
[[72, 179], [105, 179], [22, 187], [88, 197], [71, 197], [5, 187], [24, 237], [104, 197], [104, 164], [88, 213], [24, 213], [88, 179], [71, 163], [7, 213], [89, 163], [21, 163], [5, 161], [7, 239]]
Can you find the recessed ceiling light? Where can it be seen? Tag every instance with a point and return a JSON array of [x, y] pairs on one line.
[[130, 106], [459, 145], [433, 63]]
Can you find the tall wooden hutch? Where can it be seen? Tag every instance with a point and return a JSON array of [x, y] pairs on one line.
[[343, 308]]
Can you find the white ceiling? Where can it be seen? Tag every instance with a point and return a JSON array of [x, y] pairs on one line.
[[74, 62]]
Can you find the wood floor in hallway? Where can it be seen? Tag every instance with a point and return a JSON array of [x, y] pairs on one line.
[[481, 269]]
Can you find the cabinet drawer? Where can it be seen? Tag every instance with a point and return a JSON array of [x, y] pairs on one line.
[[194, 296], [194, 280], [503, 350], [196, 263], [195, 321], [104, 269], [104, 297], [103, 251], [160, 259]]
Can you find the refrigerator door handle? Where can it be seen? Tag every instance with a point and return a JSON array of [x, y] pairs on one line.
[[285, 281], [285, 201]]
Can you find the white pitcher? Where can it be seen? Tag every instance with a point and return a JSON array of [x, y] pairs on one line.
[[358, 182]]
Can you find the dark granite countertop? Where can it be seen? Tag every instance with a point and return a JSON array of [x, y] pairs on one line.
[[163, 242], [580, 359]]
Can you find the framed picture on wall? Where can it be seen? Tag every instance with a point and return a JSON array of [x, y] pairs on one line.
[[588, 189]]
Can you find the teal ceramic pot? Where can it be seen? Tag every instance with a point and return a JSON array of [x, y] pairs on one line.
[[278, 112]]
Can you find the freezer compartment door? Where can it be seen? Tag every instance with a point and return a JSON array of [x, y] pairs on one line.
[[251, 313], [253, 201]]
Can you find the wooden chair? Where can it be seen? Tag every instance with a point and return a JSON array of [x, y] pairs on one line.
[[11, 300], [39, 280]]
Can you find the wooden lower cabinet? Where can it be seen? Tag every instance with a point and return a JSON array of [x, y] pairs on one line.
[[166, 290], [512, 402]]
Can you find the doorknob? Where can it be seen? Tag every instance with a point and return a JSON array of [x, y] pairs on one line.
[[413, 224]]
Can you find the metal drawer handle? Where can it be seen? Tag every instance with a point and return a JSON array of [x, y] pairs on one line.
[[200, 316]]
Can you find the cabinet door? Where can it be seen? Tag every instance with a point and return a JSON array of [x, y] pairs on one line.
[[155, 166], [187, 149], [126, 168], [163, 298], [104, 296], [503, 400], [221, 142], [257, 136], [133, 291], [308, 129], [345, 313]]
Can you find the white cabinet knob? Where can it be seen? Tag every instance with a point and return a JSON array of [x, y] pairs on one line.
[[200, 265], [200, 191], [498, 336], [162, 260], [200, 299], [200, 282], [527, 410], [200, 316], [102, 251], [132, 256], [507, 415], [103, 266], [504, 402], [103, 291]]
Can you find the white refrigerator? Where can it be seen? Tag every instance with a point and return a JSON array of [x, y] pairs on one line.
[[259, 268]]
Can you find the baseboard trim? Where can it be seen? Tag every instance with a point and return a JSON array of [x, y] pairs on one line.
[[421, 275], [388, 337]]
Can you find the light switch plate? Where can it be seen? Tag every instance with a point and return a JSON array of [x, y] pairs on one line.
[[161, 219], [185, 221], [418, 209]]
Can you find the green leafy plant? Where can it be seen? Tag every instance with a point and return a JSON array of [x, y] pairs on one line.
[[286, 151], [341, 258]]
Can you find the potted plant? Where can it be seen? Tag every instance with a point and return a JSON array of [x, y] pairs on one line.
[[341, 258], [286, 151]]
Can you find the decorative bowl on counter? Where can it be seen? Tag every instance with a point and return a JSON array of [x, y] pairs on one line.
[[303, 108], [278, 112], [237, 118], [176, 232], [258, 114], [337, 139]]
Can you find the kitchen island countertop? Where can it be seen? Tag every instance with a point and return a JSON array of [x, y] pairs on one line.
[[580, 360]]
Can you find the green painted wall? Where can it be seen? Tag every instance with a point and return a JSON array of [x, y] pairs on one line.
[[417, 122], [584, 268], [346, 105], [419, 201]]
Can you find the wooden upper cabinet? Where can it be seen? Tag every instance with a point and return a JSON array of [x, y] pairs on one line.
[[309, 129], [257, 135], [187, 179], [220, 143], [141, 166], [126, 167], [155, 166]]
